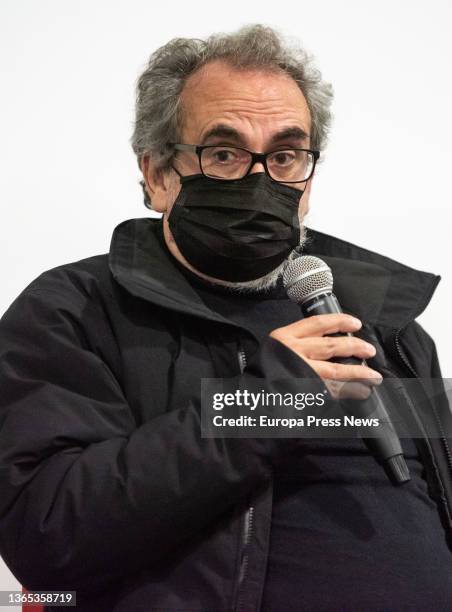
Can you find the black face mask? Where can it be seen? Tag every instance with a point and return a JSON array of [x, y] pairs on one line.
[[236, 230]]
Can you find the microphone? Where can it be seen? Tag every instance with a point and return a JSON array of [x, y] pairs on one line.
[[308, 281]]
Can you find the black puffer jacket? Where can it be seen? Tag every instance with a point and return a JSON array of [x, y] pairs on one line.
[[106, 485]]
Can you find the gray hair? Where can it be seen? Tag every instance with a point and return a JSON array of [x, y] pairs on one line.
[[158, 107], [270, 280]]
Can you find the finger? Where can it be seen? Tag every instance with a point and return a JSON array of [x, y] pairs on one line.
[[327, 347], [348, 390], [346, 373], [319, 325]]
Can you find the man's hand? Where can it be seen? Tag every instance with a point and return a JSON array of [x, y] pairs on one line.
[[309, 338]]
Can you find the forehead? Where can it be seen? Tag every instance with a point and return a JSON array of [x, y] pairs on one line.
[[248, 99]]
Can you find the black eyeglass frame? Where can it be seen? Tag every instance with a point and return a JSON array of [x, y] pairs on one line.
[[255, 158]]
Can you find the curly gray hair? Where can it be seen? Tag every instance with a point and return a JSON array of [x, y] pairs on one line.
[[158, 109]]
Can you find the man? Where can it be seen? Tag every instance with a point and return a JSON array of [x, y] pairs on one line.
[[107, 486]]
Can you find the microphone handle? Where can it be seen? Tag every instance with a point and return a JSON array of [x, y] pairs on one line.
[[386, 448]]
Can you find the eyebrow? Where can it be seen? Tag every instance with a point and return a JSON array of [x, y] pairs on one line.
[[232, 135], [222, 131], [294, 132]]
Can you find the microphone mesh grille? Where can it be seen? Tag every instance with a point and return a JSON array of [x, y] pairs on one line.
[[318, 277]]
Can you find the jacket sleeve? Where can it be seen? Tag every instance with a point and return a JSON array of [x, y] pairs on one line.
[[87, 496]]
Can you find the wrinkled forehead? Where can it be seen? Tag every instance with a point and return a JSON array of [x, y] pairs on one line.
[[252, 98]]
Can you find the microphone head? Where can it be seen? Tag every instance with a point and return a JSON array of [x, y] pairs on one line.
[[307, 276]]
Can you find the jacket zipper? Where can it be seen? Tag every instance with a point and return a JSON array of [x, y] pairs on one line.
[[409, 367], [246, 538], [249, 516], [242, 358], [426, 440]]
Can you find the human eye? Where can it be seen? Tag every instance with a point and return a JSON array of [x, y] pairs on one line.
[[224, 155], [224, 162], [282, 158]]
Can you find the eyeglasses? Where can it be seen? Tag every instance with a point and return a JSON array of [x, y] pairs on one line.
[[227, 163]]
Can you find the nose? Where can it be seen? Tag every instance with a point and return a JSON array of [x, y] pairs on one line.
[[257, 167]]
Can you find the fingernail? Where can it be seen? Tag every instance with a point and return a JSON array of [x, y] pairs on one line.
[[355, 322], [371, 348]]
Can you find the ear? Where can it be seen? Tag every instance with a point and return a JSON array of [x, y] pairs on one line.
[[157, 183]]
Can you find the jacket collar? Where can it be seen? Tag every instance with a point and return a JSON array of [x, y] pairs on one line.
[[377, 289]]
